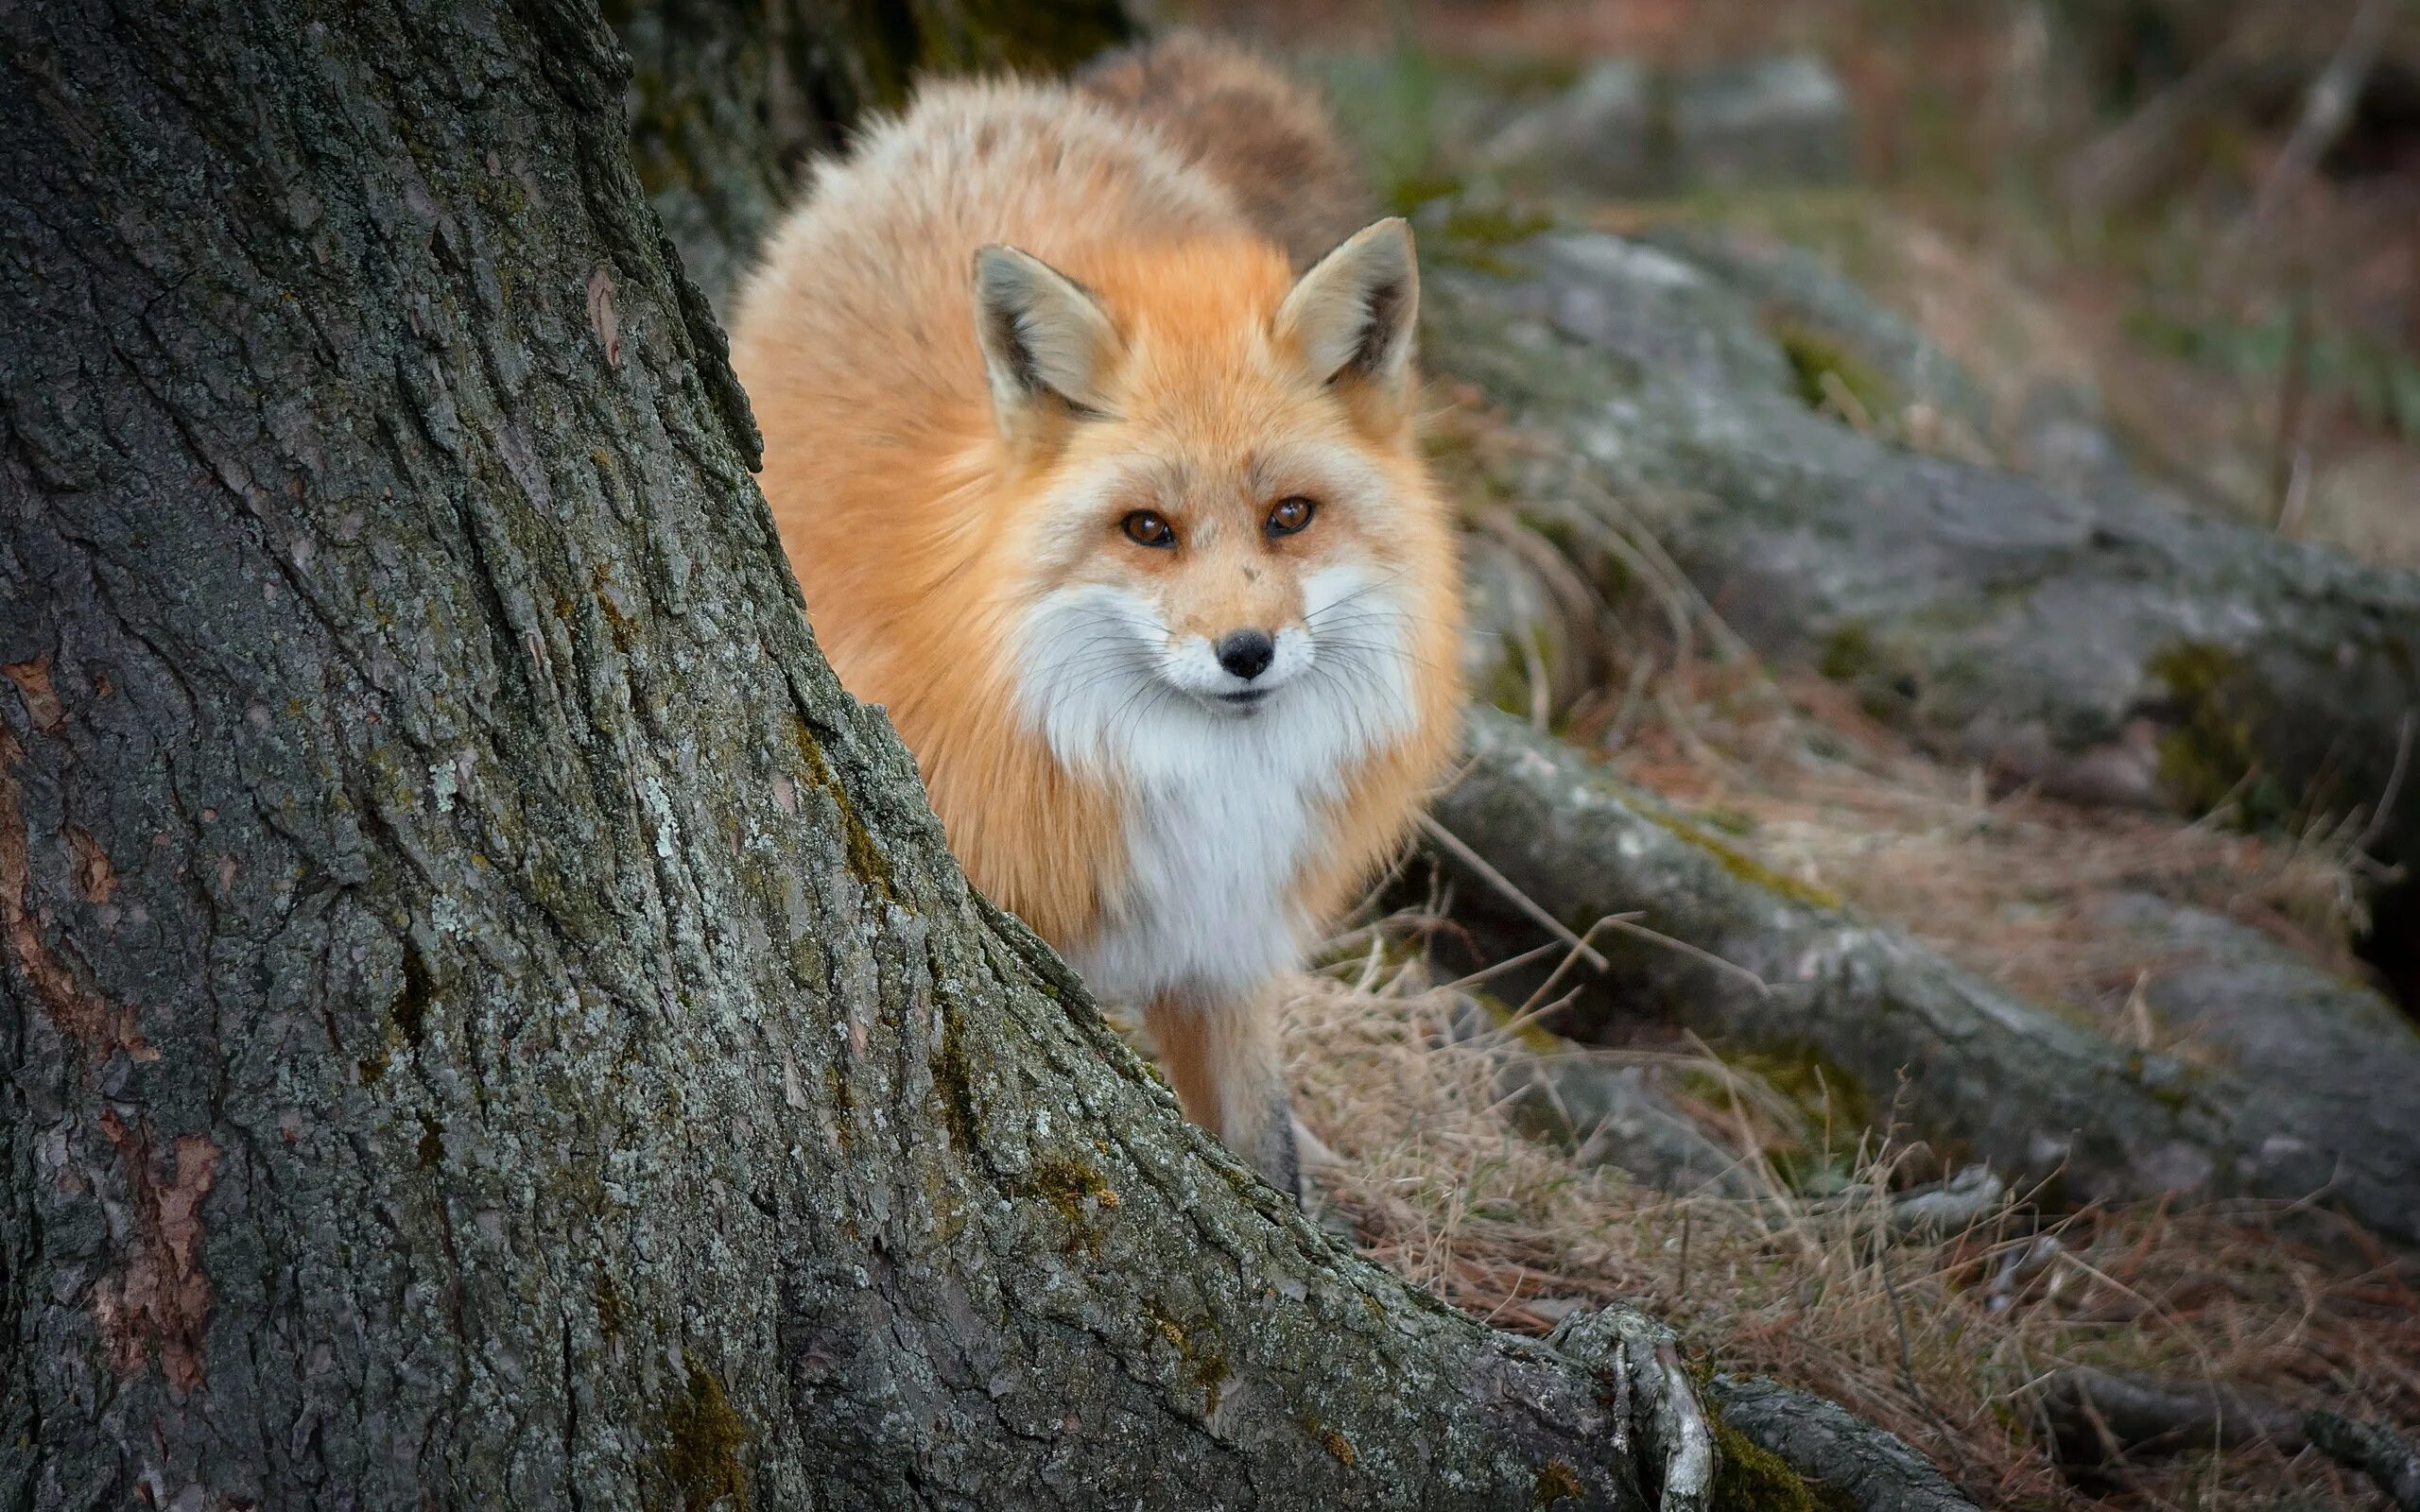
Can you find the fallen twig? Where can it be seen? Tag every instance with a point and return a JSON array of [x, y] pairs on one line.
[[2327, 110], [1529, 910], [2098, 1417]]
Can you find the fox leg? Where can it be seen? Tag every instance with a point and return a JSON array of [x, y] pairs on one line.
[[1222, 1057]]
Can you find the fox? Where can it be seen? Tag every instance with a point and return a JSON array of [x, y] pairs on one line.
[[1097, 461]]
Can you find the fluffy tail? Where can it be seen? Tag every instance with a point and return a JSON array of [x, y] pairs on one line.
[[1266, 137]]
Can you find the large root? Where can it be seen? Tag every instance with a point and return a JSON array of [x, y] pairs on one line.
[[1751, 959]]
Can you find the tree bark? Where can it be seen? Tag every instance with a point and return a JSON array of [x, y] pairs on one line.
[[487, 1020], [1867, 1468], [728, 99]]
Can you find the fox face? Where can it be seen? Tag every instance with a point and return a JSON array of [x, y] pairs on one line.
[[1226, 514]]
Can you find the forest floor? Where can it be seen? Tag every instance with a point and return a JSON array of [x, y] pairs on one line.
[[1946, 1337]]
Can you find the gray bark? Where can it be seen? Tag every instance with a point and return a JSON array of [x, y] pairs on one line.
[[2392, 1464], [2254, 1004], [486, 1019], [1605, 1114], [1964, 1062], [728, 99], [1867, 1468], [2098, 1419]]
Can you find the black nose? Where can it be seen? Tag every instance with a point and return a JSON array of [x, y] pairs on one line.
[[1247, 653]]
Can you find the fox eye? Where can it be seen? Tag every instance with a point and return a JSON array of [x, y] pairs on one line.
[[1144, 528], [1291, 514]]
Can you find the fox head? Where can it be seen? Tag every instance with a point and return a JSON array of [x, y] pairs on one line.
[[1226, 531]]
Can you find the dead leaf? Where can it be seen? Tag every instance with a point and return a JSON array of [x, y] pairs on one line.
[[602, 317]]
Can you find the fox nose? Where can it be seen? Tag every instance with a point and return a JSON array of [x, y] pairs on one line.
[[1247, 653]]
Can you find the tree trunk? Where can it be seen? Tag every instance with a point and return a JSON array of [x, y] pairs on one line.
[[487, 1020], [728, 98]]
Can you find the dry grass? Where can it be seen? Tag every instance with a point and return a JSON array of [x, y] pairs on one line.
[[1940, 1341], [2007, 883]]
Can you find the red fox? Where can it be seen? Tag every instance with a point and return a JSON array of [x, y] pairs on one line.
[[1127, 525]]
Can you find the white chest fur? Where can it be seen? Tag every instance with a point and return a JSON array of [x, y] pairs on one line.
[[1216, 835], [1225, 811]]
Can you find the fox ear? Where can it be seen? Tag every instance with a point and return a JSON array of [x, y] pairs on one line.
[[1046, 340], [1350, 316]]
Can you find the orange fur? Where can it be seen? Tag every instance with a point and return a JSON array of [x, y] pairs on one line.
[[926, 516], [1260, 134]]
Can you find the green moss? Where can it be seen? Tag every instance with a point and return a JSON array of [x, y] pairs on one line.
[[1508, 686], [1556, 1482], [1527, 1030], [1755, 1479], [1205, 1360], [1819, 1086], [613, 1315], [1742, 866], [1494, 225], [865, 858], [1848, 653], [1730, 821], [1081, 1194], [1475, 236], [2207, 756], [420, 989], [1555, 530], [702, 1440], [1885, 694], [1407, 194], [1816, 356], [1832, 1102]]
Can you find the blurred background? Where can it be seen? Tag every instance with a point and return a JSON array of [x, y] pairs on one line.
[[2196, 221]]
